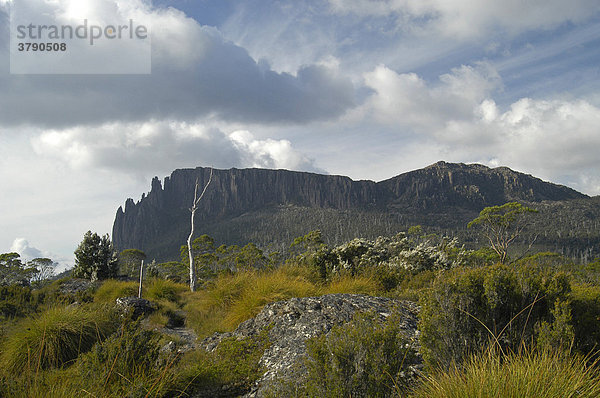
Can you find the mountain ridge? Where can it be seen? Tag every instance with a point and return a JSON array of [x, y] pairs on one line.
[[274, 205]]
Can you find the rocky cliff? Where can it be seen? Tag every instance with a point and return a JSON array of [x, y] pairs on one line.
[[274, 206]]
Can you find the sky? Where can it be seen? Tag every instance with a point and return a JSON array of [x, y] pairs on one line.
[[364, 88]]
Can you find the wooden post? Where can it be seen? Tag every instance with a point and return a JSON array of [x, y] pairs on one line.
[[141, 278]]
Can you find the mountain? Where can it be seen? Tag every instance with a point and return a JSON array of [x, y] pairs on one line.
[[272, 207]]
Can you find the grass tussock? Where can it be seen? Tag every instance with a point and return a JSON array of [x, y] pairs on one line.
[[113, 289], [54, 338], [538, 374], [231, 299], [352, 284], [162, 289]]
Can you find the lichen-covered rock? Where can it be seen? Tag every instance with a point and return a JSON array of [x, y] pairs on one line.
[[76, 285], [290, 323], [136, 306]]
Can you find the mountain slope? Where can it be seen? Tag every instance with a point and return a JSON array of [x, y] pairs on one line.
[[271, 207]]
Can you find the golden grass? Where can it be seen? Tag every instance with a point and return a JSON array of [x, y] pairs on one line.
[[233, 298], [352, 284], [112, 289], [54, 338], [539, 374]]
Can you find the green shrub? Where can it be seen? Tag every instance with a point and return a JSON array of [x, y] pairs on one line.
[[364, 358], [585, 309], [54, 338], [232, 367], [466, 308], [559, 334], [539, 374], [127, 364], [16, 301]]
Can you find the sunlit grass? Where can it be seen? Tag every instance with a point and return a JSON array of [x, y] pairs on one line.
[[352, 284], [539, 374], [111, 290], [233, 298], [54, 338], [161, 289]]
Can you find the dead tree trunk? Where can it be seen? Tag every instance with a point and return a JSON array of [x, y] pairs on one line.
[[189, 241]]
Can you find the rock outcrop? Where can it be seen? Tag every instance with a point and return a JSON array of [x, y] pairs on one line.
[[136, 307], [275, 206], [290, 323]]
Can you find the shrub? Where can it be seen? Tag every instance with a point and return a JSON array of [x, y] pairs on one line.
[[585, 309], [539, 374], [466, 308], [125, 365], [16, 301], [95, 258], [54, 338], [364, 358], [231, 368]]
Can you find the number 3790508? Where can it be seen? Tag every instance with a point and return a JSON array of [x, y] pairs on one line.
[[42, 46]]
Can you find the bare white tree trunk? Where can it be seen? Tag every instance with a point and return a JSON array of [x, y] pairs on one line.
[[189, 241]]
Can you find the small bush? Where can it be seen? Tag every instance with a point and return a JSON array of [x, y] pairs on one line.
[[585, 309], [466, 308], [127, 364], [54, 338], [539, 374], [16, 301], [229, 370], [364, 358]]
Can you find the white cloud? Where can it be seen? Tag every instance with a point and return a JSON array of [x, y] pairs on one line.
[[407, 100], [554, 139], [161, 146], [472, 18], [28, 253], [269, 153], [21, 246]]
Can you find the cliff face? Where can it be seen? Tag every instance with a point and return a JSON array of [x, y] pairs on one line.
[[159, 223], [472, 186]]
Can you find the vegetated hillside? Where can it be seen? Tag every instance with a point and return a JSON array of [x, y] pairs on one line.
[[272, 207]]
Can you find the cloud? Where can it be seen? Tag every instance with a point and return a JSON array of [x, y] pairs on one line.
[[408, 100], [269, 153], [21, 246], [161, 146], [195, 73], [471, 18], [555, 139], [28, 253]]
